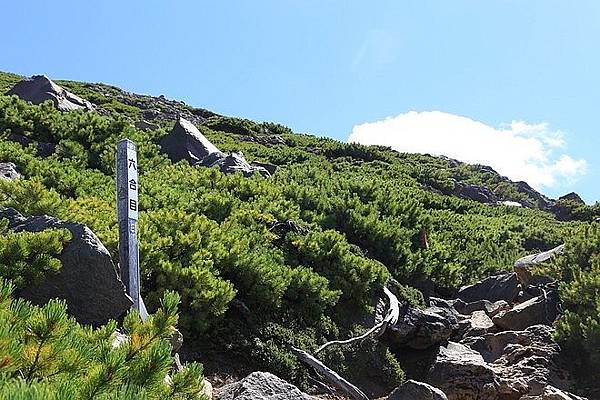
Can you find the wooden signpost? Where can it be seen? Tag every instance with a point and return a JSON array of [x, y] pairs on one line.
[[127, 212]]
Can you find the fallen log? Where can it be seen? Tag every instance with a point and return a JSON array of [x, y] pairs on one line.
[[333, 377]]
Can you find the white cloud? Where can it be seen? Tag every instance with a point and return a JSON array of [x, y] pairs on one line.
[[519, 150]]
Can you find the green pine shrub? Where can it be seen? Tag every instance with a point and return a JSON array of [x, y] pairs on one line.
[[45, 354]]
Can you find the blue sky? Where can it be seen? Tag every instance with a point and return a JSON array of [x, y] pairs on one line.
[[513, 82]]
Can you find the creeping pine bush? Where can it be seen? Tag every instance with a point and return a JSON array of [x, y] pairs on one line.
[[26, 257], [44, 354], [293, 259]]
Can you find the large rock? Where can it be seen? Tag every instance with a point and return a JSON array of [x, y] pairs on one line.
[[573, 197], [524, 362], [537, 199], [420, 329], [260, 386], [8, 171], [497, 287], [186, 142], [462, 374], [474, 192], [479, 324], [413, 390], [87, 280], [40, 88], [523, 264], [542, 309]]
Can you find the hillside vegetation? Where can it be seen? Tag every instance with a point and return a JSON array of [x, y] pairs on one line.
[[261, 264]]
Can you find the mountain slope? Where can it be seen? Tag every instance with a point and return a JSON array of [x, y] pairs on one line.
[[296, 258]]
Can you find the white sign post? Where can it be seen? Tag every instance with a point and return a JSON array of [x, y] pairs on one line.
[[127, 211]]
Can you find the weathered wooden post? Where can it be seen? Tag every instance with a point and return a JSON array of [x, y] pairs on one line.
[[127, 211]]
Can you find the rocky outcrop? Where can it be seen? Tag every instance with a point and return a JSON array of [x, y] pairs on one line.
[[420, 329], [524, 362], [39, 88], [186, 142], [8, 171], [88, 280], [497, 287], [462, 374], [474, 192], [413, 390], [542, 309], [260, 386], [572, 197]]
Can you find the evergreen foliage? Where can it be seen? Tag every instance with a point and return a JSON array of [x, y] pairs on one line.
[[44, 354], [354, 218]]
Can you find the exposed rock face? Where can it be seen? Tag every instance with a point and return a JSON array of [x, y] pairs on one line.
[[524, 362], [87, 280], [413, 390], [462, 374], [40, 88], [542, 201], [260, 386], [542, 309], [480, 324], [8, 171], [420, 329], [474, 192], [186, 142], [497, 287], [574, 197], [503, 350]]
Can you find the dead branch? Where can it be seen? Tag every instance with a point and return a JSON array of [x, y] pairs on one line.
[[391, 317], [332, 376]]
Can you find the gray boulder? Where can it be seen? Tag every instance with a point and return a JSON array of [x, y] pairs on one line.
[[490, 308], [413, 390], [497, 287], [420, 329], [186, 142], [462, 374], [479, 324], [543, 309], [88, 280], [8, 171], [523, 264], [39, 88], [474, 192], [260, 386], [524, 362]]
